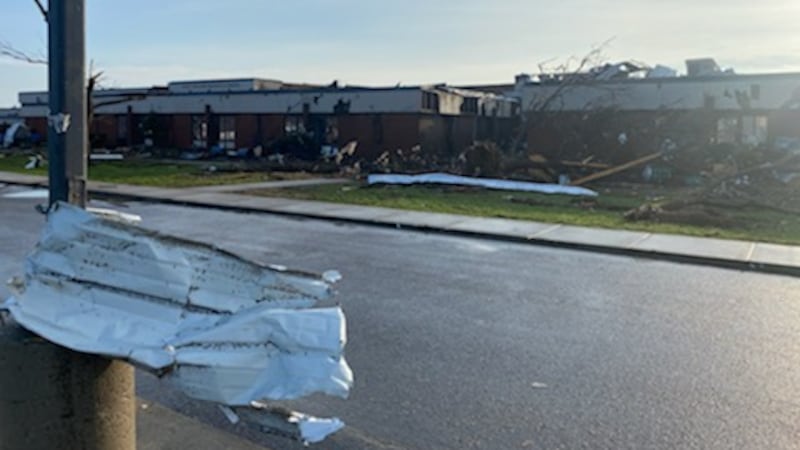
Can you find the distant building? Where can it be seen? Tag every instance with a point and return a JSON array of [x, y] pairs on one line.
[[249, 112], [9, 116], [588, 112]]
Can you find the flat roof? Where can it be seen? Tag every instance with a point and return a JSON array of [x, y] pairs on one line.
[[224, 80], [681, 79]]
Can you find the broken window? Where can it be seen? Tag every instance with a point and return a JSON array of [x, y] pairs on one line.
[[294, 125], [754, 130], [748, 130], [331, 130], [727, 130], [227, 132], [199, 132], [430, 101]]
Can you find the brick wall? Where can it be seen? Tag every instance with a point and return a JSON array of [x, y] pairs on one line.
[[271, 127], [247, 130], [180, 135], [37, 123], [103, 131], [399, 131]]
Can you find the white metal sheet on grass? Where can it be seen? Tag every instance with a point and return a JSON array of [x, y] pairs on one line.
[[488, 183]]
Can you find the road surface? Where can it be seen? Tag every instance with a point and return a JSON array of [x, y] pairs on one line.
[[472, 344]]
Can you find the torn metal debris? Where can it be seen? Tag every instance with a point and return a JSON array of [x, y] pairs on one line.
[[219, 327], [489, 183]]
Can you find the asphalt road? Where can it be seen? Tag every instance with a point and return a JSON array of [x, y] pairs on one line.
[[470, 344]]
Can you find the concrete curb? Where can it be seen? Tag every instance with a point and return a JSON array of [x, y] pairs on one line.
[[611, 250], [742, 265]]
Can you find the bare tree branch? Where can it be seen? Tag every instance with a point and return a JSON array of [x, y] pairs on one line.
[[41, 9], [567, 77], [13, 53]]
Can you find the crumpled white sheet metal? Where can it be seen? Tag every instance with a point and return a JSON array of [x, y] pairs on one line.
[[221, 328], [489, 183]]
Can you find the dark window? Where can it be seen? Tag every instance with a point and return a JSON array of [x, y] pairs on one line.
[[470, 105], [122, 127], [430, 101]]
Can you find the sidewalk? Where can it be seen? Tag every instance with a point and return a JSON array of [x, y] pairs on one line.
[[160, 428], [742, 255], [270, 185]]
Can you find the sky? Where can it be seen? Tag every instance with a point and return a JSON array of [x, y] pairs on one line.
[[386, 42]]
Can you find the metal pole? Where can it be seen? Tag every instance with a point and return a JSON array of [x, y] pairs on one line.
[[59, 118], [75, 98], [50, 396]]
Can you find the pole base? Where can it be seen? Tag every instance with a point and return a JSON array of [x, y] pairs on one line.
[[52, 397]]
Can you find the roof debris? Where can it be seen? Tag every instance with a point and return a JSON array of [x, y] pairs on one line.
[[220, 328], [489, 183]]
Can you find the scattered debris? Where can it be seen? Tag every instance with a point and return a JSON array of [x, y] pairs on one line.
[[290, 424], [618, 169], [34, 162], [725, 190], [106, 157], [221, 328], [483, 159], [17, 133], [346, 152]]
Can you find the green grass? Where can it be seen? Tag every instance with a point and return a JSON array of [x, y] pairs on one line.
[[751, 223], [758, 225], [147, 173]]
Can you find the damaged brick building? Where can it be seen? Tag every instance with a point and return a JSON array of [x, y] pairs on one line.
[[617, 112], [244, 113]]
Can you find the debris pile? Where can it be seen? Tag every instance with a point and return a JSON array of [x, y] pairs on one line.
[[482, 159], [766, 180]]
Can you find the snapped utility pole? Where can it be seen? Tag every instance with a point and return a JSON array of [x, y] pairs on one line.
[[52, 397]]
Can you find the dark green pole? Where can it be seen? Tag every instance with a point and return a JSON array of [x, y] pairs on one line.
[[58, 118]]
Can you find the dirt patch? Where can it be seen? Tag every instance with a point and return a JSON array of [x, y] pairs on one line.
[[694, 214]]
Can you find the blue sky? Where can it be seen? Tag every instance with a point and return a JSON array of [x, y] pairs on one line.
[[375, 42]]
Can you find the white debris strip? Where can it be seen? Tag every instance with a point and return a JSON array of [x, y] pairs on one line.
[[221, 328], [489, 183]]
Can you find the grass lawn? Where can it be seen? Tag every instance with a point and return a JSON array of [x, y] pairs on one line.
[[605, 212], [150, 173]]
